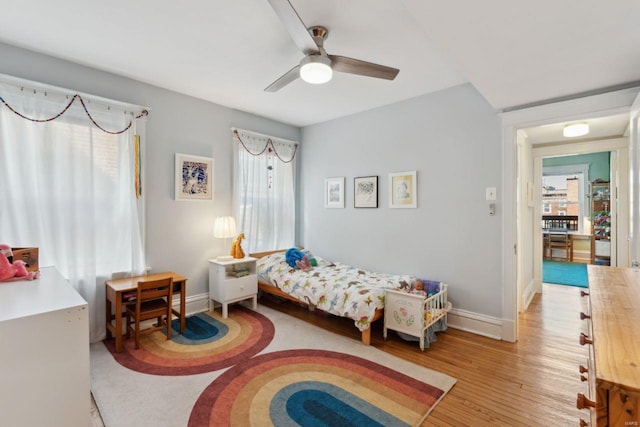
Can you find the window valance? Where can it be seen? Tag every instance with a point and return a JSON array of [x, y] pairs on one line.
[[257, 144], [42, 103]]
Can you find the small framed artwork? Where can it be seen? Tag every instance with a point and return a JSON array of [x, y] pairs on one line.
[[403, 190], [365, 192], [194, 177], [334, 192]]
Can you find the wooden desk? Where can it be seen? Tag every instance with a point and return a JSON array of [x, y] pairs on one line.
[[114, 295]]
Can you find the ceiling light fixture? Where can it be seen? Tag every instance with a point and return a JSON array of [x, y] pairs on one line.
[[316, 69], [575, 129]]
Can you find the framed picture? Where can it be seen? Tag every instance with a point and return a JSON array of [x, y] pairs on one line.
[[194, 177], [403, 190], [365, 192], [334, 192]]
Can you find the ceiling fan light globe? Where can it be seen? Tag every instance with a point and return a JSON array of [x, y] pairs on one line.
[[316, 69]]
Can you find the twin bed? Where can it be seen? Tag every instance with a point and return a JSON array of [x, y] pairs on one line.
[[333, 287]]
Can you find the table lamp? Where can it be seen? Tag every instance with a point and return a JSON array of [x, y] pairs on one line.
[[224, 227]]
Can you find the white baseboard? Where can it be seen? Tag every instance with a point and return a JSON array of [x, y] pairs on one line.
[[529, 292], [458, 319], [194, 303], [475, 323]]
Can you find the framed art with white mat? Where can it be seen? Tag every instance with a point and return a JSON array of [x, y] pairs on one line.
[[193, 177]]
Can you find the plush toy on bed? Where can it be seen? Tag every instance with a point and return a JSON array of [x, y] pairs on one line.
[[299, 260], [17, 270]]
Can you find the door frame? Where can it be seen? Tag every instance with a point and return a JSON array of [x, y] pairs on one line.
[[619, 182], [611, 103]]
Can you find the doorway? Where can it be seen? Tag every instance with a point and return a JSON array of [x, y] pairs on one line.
[[518, 189], [597, 160]]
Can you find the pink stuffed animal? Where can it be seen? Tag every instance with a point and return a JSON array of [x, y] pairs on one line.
[[304, 264], [15, 271]]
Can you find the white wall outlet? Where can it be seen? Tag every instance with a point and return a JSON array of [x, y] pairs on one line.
[[492, 193]]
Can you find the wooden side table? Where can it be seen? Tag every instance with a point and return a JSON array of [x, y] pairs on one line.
[[232, 281]]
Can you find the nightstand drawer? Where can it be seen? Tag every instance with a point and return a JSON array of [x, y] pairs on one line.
[[226, 287], [240, 287]]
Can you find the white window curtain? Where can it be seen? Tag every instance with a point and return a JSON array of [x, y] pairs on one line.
[[68, 188], [264, 190]]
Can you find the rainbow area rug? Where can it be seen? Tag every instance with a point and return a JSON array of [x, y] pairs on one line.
[[313, 387], [304, 376], [209, 343]]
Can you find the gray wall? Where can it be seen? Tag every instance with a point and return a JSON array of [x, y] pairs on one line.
[[452, 139], [179, 234]]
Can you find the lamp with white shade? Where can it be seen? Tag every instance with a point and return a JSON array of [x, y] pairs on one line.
[[224, 227]]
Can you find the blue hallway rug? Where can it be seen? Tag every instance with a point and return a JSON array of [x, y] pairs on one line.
[[565, 273]]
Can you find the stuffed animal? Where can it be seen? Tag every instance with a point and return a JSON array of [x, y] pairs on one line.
[[236, 248], [304, 264], [17, 270], [300, 260], [292, 256]]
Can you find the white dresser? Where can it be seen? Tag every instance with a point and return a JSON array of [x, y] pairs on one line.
[[44, 353], [226, 288]]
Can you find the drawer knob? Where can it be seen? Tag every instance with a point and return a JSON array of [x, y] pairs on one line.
[[583, 378], [584, 339], [583, 423], [584, 316], [583, 369], [583, 402], [584, 294]]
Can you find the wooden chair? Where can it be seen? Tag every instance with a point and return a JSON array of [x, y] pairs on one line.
[[560, 240], [153, 300]]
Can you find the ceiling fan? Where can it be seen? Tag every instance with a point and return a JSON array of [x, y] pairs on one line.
[[317, 66]]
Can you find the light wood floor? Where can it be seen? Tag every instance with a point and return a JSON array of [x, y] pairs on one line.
[[533, 382]]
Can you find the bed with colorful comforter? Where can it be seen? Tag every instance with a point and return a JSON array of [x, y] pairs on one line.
[[333, 287]]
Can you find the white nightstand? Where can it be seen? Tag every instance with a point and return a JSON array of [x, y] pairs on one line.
[[225, 287]]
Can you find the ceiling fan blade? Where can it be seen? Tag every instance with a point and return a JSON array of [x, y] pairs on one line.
[[294, 25], [284, 80], [363, 68]]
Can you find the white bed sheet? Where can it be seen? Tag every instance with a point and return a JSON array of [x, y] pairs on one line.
[[333, 287]]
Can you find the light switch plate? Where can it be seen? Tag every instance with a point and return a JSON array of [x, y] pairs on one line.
[[491, 193]]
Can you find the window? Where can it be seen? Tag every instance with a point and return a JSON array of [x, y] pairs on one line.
[[264, 190], [563, 195], [67, 188]]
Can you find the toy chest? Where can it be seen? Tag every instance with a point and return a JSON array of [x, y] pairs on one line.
[[412, 314]]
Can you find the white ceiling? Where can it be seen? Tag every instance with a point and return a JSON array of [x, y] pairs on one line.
[[513, 52], [599, 128]]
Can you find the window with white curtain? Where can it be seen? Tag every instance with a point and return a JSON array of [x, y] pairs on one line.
[[68, 188], [264, 190]]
